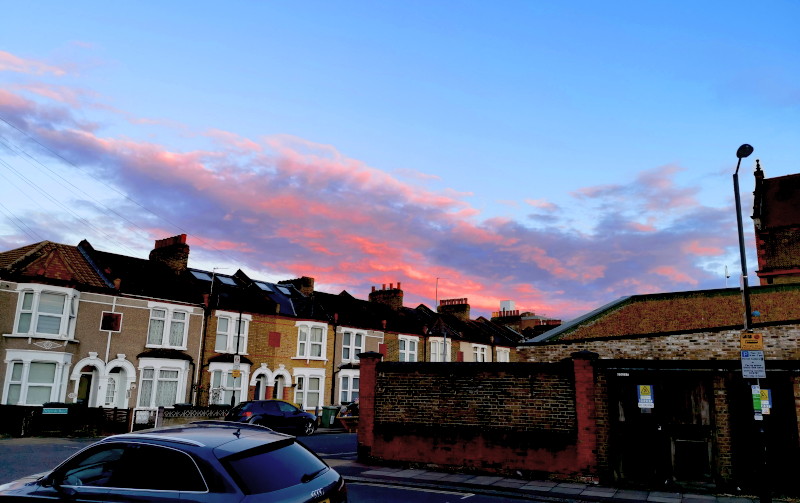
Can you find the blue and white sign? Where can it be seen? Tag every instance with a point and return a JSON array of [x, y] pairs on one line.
[[753, 366]]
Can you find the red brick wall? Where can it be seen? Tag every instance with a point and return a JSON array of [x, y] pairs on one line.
[[488, 417]]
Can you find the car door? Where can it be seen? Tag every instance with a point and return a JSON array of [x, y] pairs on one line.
[[271, 416], [84, 477], [155, 473], [293, 418]]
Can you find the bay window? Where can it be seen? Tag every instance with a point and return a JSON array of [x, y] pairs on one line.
[[45, 311]]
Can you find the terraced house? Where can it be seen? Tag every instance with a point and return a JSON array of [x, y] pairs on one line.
[[83, 326]]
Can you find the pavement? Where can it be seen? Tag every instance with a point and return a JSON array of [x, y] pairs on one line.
[[534, 490]]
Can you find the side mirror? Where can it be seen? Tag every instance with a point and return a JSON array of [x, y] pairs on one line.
[[54, 480]]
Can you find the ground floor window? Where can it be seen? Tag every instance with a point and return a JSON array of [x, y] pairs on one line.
[[348, 386], [35, 377], [308, 392], [227, 384], [162, 383]]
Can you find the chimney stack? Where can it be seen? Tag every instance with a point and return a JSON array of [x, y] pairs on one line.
[[393, 297], [172, 252], [457, 307], [304, 284]]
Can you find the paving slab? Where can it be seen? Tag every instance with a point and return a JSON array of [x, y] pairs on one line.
[[544, 484], [664, 497], [456, 477], [629, 494], [602, 492], [484, 480], [510, 483], [566, 490], [431, 475], [698, 498]]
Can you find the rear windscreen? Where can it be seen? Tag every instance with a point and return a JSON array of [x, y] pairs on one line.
[[264, 470]]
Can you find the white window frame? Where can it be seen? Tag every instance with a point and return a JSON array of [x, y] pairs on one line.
[[302, 377], [305, 344], [346, 385], [62, 362], [436, 349], [231, 334], [221, 386], [34, 292], [481, 353], [503, 355], [351, 349], [159, 364], [404, 352], [171, 315]]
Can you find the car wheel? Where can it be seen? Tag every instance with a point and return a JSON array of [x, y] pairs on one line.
[[308, 428]]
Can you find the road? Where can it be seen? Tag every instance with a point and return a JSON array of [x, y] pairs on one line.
[[24, 456]]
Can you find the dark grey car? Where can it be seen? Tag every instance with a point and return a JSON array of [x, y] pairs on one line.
[[205, 461]]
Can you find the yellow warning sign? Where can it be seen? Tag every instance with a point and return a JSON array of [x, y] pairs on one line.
[[236, 374], [752, 341], [644, 390]]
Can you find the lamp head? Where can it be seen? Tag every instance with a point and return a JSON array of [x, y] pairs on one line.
[[744, 151]]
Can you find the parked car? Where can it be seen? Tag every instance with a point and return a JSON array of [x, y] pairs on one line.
[[203, 462], [278, 415]]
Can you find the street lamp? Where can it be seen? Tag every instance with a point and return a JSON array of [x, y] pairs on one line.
[[743, 151]]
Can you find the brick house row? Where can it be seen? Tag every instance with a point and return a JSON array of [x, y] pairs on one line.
[[80, 325]]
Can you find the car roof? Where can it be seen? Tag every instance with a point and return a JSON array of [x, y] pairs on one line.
[[211, 434]]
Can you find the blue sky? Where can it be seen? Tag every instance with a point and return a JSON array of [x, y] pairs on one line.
[[560, 155]]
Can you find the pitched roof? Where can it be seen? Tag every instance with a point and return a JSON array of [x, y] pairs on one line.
[[676, 312], [51, 263]]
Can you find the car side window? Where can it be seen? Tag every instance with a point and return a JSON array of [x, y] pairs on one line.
[[158, 468], [270, 407], [93, 467], [287, 407]]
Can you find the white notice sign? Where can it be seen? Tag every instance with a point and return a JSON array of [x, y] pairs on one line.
[[753, 365]]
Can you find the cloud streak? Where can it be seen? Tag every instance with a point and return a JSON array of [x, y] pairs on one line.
[[289, 206]]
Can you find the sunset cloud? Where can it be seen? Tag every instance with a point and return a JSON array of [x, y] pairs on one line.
[[11, 63], [283, 205]]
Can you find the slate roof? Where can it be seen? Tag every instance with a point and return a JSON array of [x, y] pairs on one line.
[[680, 312], [144, 277]]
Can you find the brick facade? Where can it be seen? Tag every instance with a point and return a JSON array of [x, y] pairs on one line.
[[487, 417]]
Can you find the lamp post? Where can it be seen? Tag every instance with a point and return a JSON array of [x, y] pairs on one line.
[[743, 151]]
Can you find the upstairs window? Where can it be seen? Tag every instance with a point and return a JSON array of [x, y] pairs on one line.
[[232, 331], [408, 348], [440, 350], [311, 341], [503, 354], [352, 345], [480, 353], [45, 311], [167, 328]]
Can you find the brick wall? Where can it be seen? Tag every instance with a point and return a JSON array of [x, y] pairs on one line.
[[486, 417], [780, 343]]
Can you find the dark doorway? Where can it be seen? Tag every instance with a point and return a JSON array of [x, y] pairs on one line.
[[670, 444]]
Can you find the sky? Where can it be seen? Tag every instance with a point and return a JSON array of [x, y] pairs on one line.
[[560, 155]]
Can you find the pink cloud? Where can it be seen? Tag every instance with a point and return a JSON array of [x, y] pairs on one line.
[[674, 274], [290, 205], [12, 63]]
